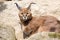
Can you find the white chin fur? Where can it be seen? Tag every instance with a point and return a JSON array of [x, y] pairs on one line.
[[24, 18]]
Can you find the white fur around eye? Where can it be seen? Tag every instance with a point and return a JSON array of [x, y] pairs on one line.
[[21, 13], [28, 14]]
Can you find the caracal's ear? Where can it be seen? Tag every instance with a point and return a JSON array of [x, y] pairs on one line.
[[18, 6], [30, 6]]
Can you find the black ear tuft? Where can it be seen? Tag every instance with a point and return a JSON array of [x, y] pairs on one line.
[[18, 6], [30, 5]]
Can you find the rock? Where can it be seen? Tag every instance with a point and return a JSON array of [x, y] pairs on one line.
[[7, 33], [45, 36]]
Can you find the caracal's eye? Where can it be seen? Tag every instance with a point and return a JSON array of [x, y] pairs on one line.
[[27, 13], [21, 13]]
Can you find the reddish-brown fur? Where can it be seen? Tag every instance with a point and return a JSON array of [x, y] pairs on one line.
[[37, 24], [41, 24]]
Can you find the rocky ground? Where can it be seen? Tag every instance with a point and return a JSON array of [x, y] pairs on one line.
[[9, 14], [7, 32]]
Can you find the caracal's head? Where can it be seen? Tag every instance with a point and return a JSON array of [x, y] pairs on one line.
[[25, 13]]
